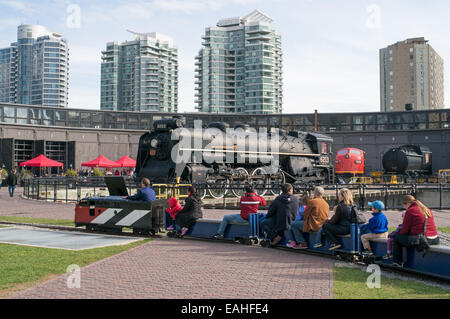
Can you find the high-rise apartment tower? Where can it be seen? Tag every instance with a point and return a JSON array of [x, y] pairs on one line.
[[239, 68], [35, 69], [140, 75], [411, 77]]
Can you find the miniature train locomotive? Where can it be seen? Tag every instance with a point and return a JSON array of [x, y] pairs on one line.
[[113, 213], [302, 157]]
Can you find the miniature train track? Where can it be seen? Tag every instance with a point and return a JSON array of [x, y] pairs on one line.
[[338, 257]]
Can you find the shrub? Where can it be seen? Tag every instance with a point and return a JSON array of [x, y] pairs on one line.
[[25, 173], [71, 173], [97, 172], [3, 173]]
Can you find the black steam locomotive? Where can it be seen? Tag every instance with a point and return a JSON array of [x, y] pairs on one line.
[[410, 160], [226, 159]]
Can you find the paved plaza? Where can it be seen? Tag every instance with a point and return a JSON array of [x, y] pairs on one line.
[[176, 268]]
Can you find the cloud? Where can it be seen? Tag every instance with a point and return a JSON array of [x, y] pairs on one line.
[[191, 6], [24, 7], [7, 23], [85, 55]]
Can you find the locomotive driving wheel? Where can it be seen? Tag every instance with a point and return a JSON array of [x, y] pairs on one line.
[[217, 186], [275, 182], [239, 179], [260, 181]]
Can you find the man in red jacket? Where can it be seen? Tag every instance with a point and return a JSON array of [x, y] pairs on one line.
[[249, 205]]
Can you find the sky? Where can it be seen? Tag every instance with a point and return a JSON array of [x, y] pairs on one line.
[[330, 47]]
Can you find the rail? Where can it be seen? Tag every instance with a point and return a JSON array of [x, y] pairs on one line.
[[66, 189]]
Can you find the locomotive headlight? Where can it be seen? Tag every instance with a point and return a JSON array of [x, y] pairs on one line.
[[154, 143]]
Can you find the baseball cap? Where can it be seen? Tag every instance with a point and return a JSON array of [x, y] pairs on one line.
[[378, 204]]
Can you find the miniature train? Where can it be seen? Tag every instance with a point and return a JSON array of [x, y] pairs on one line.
[[434, 263]]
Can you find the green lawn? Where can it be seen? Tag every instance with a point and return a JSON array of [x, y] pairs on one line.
[[22, 267], [350, 283], [30, 220]]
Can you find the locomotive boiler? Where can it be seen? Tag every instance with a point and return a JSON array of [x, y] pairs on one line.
[[226, 158], [408, 160]]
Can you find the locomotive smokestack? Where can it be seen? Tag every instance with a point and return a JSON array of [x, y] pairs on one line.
[[316, 121]]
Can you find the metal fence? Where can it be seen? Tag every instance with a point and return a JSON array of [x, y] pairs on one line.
[[67, 189]]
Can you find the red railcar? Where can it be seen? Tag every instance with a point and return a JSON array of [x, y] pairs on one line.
[[349, 161]]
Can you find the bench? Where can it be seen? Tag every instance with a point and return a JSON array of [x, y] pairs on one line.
[[347, 242], [207, 227], [435, 261]]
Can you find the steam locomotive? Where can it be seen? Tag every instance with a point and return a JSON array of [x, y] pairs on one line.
[[408, 160], [227, 159]]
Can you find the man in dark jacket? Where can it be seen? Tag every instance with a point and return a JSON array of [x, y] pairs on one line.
[[281, 213], [146, 194], [11, 180]]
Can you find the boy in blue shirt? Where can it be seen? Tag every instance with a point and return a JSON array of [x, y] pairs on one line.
[[376, 228]]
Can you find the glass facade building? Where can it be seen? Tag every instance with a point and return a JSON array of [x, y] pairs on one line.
[[239, 68], [140, 75], [324, 122], [8, 74], [35, 69]]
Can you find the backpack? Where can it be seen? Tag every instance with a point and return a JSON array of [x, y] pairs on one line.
[[422, 244], [357, 216]]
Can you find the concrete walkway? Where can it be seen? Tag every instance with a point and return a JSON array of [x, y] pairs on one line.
[[170, 268]]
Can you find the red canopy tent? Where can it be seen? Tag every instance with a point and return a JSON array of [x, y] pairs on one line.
[[101, 161], [126, 162], [41, 161]]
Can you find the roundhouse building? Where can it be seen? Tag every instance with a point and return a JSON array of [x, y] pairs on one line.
[[74, 136]]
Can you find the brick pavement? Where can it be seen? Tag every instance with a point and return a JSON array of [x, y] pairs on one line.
[[169, 268]]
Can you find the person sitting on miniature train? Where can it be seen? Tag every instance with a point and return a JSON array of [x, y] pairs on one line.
[[377, 227], [249, 203], [315, 215], [192, 210], [418, 220], [282, 212], [391, 239], [174, 208], [146, 194], [301, 210], [341, 221]]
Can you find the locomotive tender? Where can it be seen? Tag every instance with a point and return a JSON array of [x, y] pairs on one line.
[[222, 156], [408, 160]]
